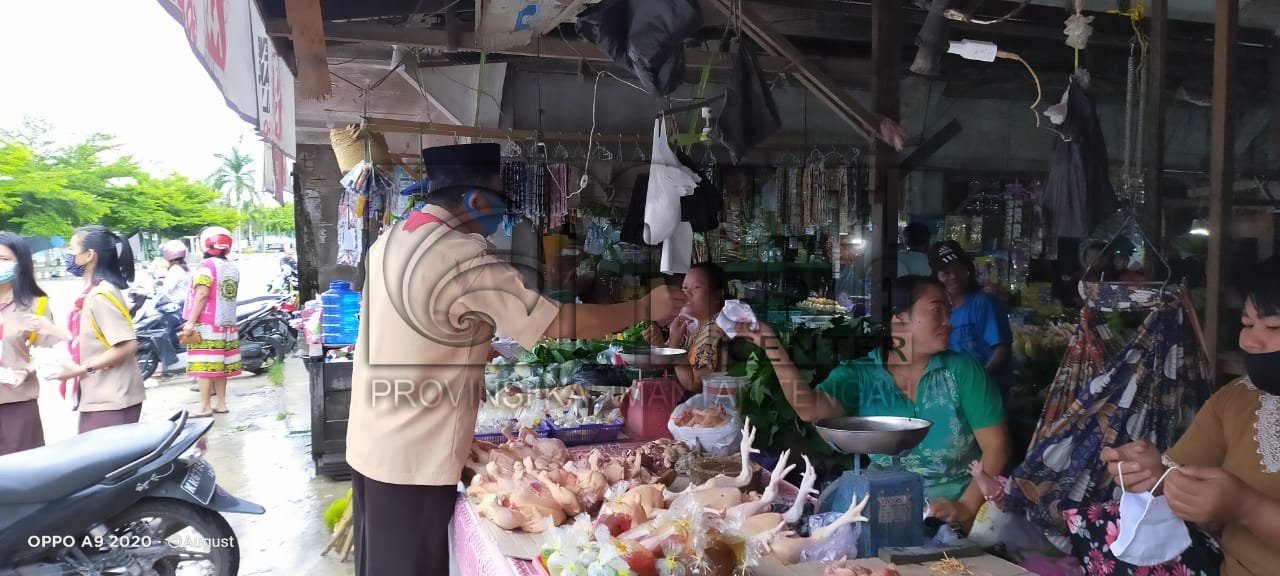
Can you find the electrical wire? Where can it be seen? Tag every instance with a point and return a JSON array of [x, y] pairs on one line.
[[962, 17], [1012, 56]]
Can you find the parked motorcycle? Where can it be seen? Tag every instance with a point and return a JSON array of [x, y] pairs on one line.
[[131, 499], [266, 333], [265, 330]]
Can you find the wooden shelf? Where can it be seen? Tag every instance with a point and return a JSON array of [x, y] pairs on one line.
[[758, 267]]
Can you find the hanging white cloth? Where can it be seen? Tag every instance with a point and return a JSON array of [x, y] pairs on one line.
[[668, 181], [677, 250]]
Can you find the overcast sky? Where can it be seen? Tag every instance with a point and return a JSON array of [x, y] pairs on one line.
[[122, 67]]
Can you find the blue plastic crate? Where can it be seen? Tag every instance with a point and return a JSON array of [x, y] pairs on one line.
[[543, 430], [586, 434]]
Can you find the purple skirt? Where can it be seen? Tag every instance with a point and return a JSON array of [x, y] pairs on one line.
[[20, 427], [94, 420]]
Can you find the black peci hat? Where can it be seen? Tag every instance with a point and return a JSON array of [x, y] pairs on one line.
[[462, 164]]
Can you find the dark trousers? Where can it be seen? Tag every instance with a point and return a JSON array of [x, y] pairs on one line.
[[172, 322], [401, 530]]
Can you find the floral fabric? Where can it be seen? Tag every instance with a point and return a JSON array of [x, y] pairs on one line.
[[1094, 529], [1108, 394]]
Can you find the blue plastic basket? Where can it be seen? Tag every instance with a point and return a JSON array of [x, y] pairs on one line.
[[543, 430], [586, 434]]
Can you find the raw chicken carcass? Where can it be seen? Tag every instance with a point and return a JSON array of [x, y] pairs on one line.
[[748, 509], [710, 417], [846, 567], [744, 476], [763, 522], [786, 548]]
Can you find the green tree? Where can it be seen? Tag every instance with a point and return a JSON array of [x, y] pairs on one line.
[[235, 179], [39, 197], [277, 219], [48, 191]]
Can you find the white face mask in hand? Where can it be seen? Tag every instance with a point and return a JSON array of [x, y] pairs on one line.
[[1150, 534]]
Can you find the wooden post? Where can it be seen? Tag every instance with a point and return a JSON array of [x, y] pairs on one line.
[[886, 50], [1221, 170], [1273, 135], [1157, 59]]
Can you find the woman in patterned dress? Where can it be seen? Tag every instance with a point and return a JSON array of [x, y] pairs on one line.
[[211, 311], [1227, 477], [916, 378], [695, 329]]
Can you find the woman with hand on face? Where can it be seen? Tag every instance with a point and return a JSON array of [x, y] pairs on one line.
[[102, 380], [694, 329], [917, 377], [25, 321], [1228, 462]]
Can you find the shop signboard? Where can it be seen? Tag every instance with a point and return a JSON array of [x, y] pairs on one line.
[[229, 39]]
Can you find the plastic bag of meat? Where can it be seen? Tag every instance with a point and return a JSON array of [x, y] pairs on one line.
[[700, 421]]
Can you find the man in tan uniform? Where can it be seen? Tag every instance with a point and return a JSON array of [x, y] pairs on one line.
[[434, 296]]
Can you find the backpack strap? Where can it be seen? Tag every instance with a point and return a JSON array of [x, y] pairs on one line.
[[94, 321], [42, 305]]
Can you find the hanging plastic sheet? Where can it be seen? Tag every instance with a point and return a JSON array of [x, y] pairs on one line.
[[644, 35], [1108, 393], [749, 115], [1078, 194]]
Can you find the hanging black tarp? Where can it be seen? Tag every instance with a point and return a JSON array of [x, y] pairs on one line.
[[644, 35], [749, 115], [1078, 194]]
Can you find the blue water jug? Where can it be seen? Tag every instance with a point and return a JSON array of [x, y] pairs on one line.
[[340, 322]]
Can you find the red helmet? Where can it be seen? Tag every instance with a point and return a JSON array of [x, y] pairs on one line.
[[216, 240]]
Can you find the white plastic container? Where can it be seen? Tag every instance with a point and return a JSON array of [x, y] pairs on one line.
[[721, 388]]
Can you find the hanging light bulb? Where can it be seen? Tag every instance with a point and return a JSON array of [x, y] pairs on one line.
[[858, 240], [1199, 227]]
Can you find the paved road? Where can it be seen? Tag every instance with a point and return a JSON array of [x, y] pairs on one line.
[[260, 450]]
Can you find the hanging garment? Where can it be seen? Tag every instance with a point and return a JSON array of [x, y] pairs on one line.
[[669, 180], [633, 225], [1078, 194], [749, 115], [677, 250], [702, 208], [644, 35], [1109, 393]]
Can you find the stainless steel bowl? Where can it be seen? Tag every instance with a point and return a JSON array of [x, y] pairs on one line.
[[873, 434], [654, 358]]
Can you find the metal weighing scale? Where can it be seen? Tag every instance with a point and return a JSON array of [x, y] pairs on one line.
[[895, 511], [651, 400]]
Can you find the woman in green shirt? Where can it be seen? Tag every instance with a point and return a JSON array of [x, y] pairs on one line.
[[917, 378]]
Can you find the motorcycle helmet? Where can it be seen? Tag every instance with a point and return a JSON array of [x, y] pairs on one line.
[[216, 241], [173, 250]]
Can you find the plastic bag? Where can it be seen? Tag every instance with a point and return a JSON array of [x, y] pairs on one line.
[[842, 544], [722, 440], [733, 313]]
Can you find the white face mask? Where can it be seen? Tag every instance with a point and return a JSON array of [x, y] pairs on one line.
[[1150, 533]]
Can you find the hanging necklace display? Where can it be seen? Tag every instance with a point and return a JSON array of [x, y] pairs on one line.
[[784, 203], [794, 201], [560, 183]]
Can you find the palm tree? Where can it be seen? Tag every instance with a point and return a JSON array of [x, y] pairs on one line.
[[235, 179]]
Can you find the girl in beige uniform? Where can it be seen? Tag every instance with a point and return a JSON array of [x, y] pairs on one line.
[[24, 316], [102, 380]]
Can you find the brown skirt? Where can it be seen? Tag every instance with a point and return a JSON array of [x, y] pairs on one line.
[[20, 427], [94, 420]]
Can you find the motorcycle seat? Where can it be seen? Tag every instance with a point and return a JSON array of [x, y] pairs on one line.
[[66, 467]]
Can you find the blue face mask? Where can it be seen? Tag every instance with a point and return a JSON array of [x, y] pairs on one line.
[[8, 271], [73, 269], [489, 221]]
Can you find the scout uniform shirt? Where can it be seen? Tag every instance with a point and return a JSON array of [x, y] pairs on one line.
[[119, 386], [433, 297], [14, 350]]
